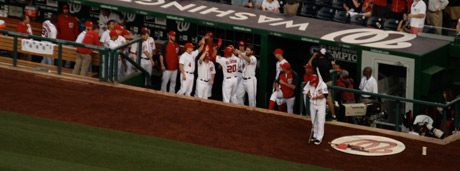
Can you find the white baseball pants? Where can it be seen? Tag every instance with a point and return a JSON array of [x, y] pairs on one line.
[[274, 97], [147, 65], [318, 118], [186, 85], [169, 76], [240, 92], [229, 89], [201, 89], [250, 87]]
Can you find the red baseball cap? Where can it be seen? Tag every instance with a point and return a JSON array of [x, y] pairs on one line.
[[308, 67], [286, 65], [119, 27], [113, 33], [189, 45], [172, 33], [88, 24], [228, 51], [314, 80], [278, 51], [242, 43], [144, 29], [210, 34], [126, 32], [65, 6]]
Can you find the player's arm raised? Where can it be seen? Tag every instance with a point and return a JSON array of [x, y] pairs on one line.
[[247, 58], [203, 55]]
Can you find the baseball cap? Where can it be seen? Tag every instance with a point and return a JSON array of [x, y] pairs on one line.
[[144, 29], [228, 51], [308, 67], [278, 51], [126, 32], [88, 24], [172, 33], [119, 27], [189, 45], [65, 6], [242, 43], [314, 80], [113, 33], [286, 65], [210, 34], [323, 51]]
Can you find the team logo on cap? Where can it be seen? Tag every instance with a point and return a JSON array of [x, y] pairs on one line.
[[372, 38], [368, 145]]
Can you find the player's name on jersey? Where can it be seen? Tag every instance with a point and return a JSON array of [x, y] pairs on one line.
[[231, 61]]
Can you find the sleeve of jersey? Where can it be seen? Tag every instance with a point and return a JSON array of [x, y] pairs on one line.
[[324, 89], [163, 49], [195, 54], [253, 60], [154, 47], [213, 68], [182, 59], [218, 59], [295, 78]]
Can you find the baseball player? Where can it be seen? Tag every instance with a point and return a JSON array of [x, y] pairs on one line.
[[169, 60], [306, 79], [127, 35], [105, 38], [206, 73], [316, 89], [229, 65], [113, 43], [287, 81], [208, 41], [120, 41], [88, 27], [187, 68], [240, 92], [249, 83], [273, 98], [147, 60], [49, 30]]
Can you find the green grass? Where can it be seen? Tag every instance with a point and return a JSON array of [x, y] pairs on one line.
[[33, 143]]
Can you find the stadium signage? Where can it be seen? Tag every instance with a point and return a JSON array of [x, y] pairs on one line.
[[372, 38], [231, 14]]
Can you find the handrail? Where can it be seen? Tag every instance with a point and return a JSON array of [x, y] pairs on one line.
[[146, 74]]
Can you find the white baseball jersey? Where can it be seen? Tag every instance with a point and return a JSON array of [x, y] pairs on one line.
[[146, 48], [249, 68], [80, 37], [121, 40], [105, 38], [49, 30], [188, 60], [319, 90], [229, 65], [205, 70], [113, 44]]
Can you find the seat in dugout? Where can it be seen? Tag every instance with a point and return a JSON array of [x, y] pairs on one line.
[[325, 13]]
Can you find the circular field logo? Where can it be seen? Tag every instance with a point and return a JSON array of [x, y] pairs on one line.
[[368, 145]]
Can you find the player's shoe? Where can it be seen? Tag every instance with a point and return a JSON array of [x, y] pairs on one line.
[[334, 118], [313, 140], [317, 142]]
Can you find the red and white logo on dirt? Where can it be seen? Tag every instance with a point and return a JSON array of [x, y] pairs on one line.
[[368, 145]]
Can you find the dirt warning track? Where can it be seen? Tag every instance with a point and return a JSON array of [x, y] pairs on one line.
[[204, 123]]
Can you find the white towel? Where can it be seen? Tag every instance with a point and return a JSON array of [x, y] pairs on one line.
[[44, 48]]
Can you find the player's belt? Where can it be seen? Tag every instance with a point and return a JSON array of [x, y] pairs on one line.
[[188, 72], [240, 71], [204, 80], [230, 77], [146, 58], [246, 78]]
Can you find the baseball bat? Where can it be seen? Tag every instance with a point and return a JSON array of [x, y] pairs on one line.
[[352, 147]]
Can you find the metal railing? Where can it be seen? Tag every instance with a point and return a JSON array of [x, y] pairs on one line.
[[455, 103], [106, 54]]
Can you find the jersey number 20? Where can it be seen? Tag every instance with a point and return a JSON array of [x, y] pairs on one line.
[[231, 69]]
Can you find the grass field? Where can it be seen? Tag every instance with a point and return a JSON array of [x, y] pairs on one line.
[[33, 143]]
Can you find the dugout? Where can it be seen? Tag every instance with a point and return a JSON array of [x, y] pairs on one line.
[[405, 65]]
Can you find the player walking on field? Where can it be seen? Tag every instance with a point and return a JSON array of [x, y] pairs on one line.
[[316, 90], [206, 73], [273, 98], [287, 81], [249, 83], [229, 65], [187, 68], [169, 61], [240, 87]]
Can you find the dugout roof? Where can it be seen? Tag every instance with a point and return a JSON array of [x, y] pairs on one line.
[[256, 21]]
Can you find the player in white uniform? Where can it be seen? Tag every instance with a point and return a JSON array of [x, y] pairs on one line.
[[273, 98], [121, 61], [49, 31], [127, 35], [147, 60], [105, 38], [206, 73], [113, 43], [187, 69], [229, 65], [316, 89], [249, 83], [239, 95]]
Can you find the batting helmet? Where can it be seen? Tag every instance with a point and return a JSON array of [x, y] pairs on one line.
[[228, 51]]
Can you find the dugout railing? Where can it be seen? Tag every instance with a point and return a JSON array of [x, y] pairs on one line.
[[106, 55], [454, 103]]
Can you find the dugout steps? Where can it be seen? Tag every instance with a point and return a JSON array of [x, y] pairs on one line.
[[90, 81]]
